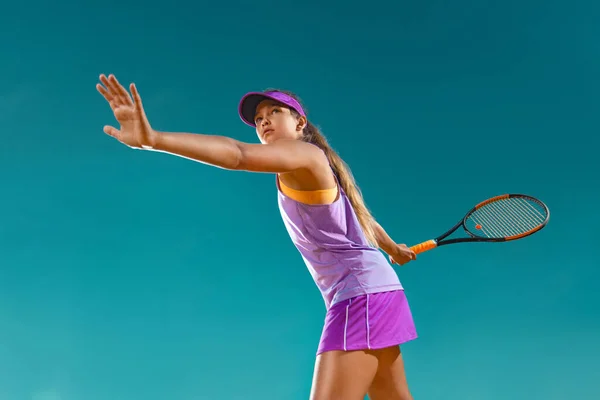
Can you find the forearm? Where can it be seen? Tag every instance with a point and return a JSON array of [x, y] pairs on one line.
[[218, 151], [384, 241]]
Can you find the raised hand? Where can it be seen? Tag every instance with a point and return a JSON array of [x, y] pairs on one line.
[[135, 130]]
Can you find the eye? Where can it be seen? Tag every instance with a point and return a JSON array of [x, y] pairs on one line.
[[275, 110], [257, 120]]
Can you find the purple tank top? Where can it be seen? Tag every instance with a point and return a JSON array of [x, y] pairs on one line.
[[332, 243]]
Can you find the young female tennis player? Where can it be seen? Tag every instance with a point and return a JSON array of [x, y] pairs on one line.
[[368, 316]]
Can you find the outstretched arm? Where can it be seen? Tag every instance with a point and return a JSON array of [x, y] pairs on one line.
[[399, 253], [219, 151], [224, 152]]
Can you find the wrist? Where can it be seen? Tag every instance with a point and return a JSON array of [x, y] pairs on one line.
[[391, 249], [154, 140]]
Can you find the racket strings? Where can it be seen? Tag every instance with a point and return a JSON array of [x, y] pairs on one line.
[[512, 222], [496, 223], [483, 223], [507, 217], [522, 209], [484, 227]]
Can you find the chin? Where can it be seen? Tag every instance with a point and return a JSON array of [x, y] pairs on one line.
[[270, 139]]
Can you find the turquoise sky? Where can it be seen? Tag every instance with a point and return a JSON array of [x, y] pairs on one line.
[[129, 275]]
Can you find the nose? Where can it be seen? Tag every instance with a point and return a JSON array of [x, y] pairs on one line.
[[265, 122]]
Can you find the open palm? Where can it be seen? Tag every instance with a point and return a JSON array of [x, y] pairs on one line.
[[135, 130]]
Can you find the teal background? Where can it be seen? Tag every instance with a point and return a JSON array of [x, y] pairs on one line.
[[129, 275]]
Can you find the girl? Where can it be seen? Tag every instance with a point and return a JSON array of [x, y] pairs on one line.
[[368, 316]]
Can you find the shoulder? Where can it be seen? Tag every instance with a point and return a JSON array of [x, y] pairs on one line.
[[315, 156], [316, 174], [281, 156]]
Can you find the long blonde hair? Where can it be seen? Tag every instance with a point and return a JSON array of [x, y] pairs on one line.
[[313, 135]]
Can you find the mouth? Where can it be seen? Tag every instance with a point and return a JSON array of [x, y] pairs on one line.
[[267, 131]]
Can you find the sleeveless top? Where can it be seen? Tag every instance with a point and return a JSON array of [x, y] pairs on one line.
[[333, 245]]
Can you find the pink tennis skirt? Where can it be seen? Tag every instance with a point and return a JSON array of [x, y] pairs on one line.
[[372, 321]]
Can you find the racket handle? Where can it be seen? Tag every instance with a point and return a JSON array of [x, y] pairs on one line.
[[425, 246]]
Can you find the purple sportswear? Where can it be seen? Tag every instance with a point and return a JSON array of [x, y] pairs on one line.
[[365, 301]]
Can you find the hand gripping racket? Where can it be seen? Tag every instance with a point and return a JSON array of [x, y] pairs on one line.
[[498, 219]]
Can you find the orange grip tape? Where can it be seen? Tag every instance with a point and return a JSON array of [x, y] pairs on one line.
[[425, 246]]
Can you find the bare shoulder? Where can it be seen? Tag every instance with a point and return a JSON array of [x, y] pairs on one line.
[[316, 174], [316, 156], [282, 156]]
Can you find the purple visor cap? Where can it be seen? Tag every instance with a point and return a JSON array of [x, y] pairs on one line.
[[250, 101]]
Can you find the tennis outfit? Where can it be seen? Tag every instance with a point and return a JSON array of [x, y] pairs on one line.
[[365, 301]]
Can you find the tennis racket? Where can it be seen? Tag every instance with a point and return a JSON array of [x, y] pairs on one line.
[[498, 219]]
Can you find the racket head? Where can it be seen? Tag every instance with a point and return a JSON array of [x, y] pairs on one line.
[[506, 217]]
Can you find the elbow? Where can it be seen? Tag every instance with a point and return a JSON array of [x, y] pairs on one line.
[[238, 157], [243, 159]]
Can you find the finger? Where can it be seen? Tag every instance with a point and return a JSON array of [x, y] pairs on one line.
[[112, 87], [137, 99], [113, 84], [109, 92], [108, 96], [112, 131], [104, 92], [107, 84], [103, 79], [120, 89], [136, 95]]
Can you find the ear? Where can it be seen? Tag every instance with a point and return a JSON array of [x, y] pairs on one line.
[[302, 122]]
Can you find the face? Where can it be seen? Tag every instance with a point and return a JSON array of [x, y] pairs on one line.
[[274, 122]]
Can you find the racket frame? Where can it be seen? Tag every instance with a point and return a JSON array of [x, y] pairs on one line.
[[473, 237]]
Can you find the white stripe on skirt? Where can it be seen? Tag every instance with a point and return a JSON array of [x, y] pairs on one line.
[[368, 333], [346, 323]]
